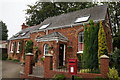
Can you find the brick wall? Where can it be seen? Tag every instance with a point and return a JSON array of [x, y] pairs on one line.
[[71, 33], [16, 55], [104, 69]]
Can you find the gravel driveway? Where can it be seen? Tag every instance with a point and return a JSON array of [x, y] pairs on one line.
[[10, 69]]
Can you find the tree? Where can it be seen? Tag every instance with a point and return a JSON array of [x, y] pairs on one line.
[[40, 11], [116, 40], [3, 31], [114, 8], [114, 11], [91, 45], [102, 45]]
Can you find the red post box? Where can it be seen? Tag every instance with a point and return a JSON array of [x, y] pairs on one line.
[[73, 66]]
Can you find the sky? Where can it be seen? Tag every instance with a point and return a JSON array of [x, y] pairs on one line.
[[12, 13]]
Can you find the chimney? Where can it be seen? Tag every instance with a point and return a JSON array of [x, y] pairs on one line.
[[24, 26]]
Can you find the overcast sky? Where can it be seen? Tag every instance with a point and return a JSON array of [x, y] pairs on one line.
[[12, 13]]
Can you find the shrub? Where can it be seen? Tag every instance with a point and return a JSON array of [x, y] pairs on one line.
[[35, 47], [16, 60], [50, 47], [100, 78], [59, 77], [36, 57], [113, 74], [4, 56], [116, 60], [29, 46], [102, 45], [85, 70], [70, 47], [77, 78], [42, 58]]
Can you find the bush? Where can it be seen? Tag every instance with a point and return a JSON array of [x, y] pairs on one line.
[[100, 78], [116, 60], [4, 56], [42, 58], [102, 45], [85, 70], [113, 74], [59, 77], [77, 78], [16, 60], [29, 46]]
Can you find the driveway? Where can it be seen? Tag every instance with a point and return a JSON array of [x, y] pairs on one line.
[[10, 69]]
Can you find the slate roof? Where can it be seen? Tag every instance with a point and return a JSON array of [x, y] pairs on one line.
[[66, 20], [27, 31], [52, 36]]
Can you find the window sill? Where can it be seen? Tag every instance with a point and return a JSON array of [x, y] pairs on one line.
[[18, 52], [79, 52], [11, 51], [48, 55]]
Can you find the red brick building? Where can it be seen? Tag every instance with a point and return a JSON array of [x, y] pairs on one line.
[[61, 36]]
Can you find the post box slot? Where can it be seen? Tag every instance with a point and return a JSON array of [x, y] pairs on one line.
[[71, 62]]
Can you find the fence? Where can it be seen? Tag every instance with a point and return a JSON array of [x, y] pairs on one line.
[[81, 68]]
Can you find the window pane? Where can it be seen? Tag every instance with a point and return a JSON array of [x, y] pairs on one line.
[[80, 36], [46, 49], [80, 41]]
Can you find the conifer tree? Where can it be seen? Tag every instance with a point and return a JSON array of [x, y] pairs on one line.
[[102, 45], [85, 51], [90, 46]]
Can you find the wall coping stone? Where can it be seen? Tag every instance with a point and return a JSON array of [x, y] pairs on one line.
[[104, 56], [29, 54]]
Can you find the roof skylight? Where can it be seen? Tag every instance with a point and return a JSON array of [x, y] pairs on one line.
[[81, 19], [16, 35], [44, 26], [23, 34]]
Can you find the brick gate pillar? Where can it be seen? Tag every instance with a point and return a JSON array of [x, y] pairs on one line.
[[47, 65], [28, 64], [104, 65]]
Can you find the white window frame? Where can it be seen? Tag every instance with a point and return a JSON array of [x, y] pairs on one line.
[[11, 49], [45, 49], [81, 51], [18, 48], [64, 55]]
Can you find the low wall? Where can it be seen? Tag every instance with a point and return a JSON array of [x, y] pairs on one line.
[[104, 69], [51, 74]]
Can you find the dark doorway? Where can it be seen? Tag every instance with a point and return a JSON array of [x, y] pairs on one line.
[[61, 54]]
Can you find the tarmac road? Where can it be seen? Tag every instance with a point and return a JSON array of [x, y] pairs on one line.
[[10, 69]]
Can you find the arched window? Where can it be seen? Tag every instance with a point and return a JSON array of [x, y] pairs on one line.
[[46, 46], [11, 48], [18, 47], [80, 41]]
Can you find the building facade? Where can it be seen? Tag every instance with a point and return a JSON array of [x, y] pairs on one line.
[[61, 36]]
